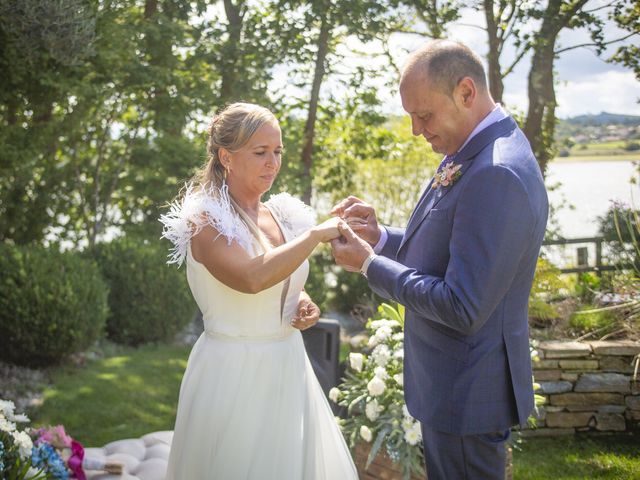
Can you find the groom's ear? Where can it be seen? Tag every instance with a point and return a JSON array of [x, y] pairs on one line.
[[466, 92]]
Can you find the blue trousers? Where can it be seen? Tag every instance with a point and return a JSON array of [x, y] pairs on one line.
[[466, 457]]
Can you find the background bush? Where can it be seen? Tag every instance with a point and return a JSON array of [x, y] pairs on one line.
[[149, 301], [52, 304]]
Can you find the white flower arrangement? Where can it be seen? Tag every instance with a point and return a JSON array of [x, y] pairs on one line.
[[372, 391]]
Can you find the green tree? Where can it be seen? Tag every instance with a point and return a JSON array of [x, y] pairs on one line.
[[43, 47], [325, 24]]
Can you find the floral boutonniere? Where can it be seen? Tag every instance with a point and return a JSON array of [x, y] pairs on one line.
[[447, 176]]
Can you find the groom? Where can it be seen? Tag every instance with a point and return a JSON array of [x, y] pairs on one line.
[[463, 266]]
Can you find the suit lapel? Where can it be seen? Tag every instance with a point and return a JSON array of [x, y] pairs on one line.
[[465, 157]]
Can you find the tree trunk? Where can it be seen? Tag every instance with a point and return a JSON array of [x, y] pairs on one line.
[[539, 126], [496, 87], [309, 129], [540, 123], [234, 29]]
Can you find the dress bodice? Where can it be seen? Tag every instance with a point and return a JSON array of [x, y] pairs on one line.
[[227, 312]]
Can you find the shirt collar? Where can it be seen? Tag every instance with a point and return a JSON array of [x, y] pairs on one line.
[[494, 116]]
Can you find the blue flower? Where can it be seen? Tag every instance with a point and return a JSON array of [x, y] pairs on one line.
[[45, 457]]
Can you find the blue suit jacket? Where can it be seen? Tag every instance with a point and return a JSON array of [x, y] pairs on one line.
[[463, 268]]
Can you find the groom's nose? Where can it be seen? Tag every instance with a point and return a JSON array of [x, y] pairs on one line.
[[417, 126]]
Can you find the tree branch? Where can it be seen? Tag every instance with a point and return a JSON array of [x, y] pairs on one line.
[[515, 62], [602, 7], [582, 45], [472, 26]]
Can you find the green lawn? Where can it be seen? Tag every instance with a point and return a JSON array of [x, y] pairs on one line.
[[132, 392], [126, 395], [600, 152], [578, 458]]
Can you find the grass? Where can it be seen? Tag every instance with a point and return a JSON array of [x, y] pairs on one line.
[[132, 392], [126, 395], [600, 152], [577, 458]]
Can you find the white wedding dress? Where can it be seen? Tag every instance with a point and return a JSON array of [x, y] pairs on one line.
[[250, 405]]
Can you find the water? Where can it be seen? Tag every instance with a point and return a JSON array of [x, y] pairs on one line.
[[585, 193], [589, 187]]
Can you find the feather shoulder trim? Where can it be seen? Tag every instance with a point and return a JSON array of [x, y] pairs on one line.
[[296, 216], [197, 208]]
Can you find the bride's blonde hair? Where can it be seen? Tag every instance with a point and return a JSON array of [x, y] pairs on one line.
[[231, 128]]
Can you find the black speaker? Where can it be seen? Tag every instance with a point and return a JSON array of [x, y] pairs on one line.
[[322, 342]]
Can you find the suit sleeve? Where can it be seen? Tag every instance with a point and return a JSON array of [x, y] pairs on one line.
[[394, 237], [491, 230]]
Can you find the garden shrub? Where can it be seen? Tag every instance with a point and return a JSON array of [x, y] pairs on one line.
[[52, 304], [149, 301], [547, 285], [590, 320]]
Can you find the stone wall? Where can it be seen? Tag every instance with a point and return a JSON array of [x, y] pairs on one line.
[[588, 386]]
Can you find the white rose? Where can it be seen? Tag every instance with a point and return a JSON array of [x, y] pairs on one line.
[[365, 433], [334, 394], [376, 386], [373, 409], [399, 378], [356, 360], [407, 424], [381, 373], [381, 355], [399, 353], [373, 341], [398, 336], [383, 333], [24, 443], [383, 323], [414, 435]]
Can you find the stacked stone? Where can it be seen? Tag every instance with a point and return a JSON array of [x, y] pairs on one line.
[[588, 386]]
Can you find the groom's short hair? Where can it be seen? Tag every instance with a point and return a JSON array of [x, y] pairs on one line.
[[444, 63]]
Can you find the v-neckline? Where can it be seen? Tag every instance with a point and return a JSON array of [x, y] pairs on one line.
[[287, 281], [278, 224]]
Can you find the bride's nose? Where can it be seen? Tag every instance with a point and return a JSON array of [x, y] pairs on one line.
[[272, 159]]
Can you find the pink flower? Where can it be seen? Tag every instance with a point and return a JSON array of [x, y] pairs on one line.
[[55, 436], [447, 176]]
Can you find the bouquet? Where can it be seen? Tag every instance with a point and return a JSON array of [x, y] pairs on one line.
[[372, 392], [45, 453]]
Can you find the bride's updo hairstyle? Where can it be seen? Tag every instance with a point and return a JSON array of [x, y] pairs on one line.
[[231, 128]]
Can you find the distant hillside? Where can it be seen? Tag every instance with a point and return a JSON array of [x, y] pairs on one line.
[[604, 118]]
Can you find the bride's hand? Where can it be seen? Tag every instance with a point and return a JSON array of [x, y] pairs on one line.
[[328, 230]]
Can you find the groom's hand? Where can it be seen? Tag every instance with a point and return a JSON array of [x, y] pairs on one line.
[[361, 217], [350, 251]]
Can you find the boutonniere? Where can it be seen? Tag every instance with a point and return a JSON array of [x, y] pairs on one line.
[[447, 176]]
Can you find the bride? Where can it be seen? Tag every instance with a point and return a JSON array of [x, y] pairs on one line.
[[250, 406]]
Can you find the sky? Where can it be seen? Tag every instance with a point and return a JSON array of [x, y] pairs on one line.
[[586, 83]]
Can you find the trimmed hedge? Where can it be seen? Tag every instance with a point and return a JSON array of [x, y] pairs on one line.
[[149, 301], [52, 304]]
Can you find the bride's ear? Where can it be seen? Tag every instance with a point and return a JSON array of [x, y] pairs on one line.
[[224, 156]]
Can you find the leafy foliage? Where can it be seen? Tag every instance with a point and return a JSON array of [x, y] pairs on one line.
[[52, 304], [546, 284], [373, 395], [148, 300]]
